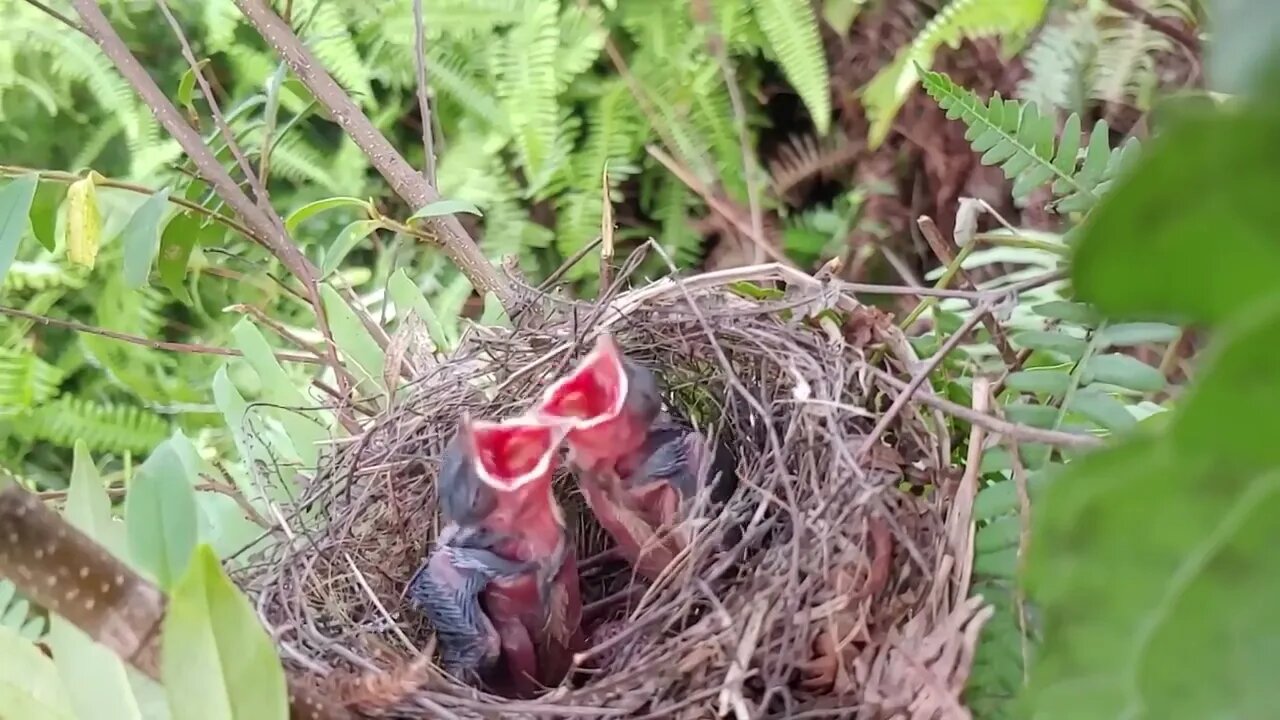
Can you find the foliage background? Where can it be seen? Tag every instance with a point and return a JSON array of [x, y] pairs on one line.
[[730, 131]]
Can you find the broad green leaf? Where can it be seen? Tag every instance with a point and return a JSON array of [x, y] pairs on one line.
[[840, 14], [29, 683], [1072, 347], [346, 241], [1041, 416], [293, 408], [15, 205], [494, 314], [1125, 371], [44, 213], [235, 411], [408, 298], [998, 534], [1157, 580], [84, 221], [1208, 181], [160, 515], [89, 507], [445, 207], [362, 354], [142, 238], [1103, 409], [1050, 381], [176, 243], [15, 613], [297, 217], [95, 679], [1242, 58], [1231, 411], [1139, 333], [217, 661]]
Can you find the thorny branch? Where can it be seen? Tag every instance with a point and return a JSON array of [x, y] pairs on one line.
[[410, 185]]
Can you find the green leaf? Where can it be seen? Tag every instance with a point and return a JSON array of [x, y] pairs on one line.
[[141, 238], [15, 205], [292, 406], [1125, 371], [160, 516], [792, 30], [840, 14], [176, 243], [1208, 177], [350, 236], [1230, 412], [89, 506], [1049, 381], [187, 84], [998, 534], [1058, 342], [364, 358], [1075, 313], [297, 217], [29, 683], [1001, 498], [445, 207], [1157, 581], [1139, 333], [44, 214], [217, 661], [1103, 409], [408, 298]]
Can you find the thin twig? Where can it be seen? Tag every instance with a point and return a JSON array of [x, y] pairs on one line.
[[716, 204], [941, 248], [1004, 427], [57, 16], [192, 348], [220, 121], [921, 375], [449, 234], [424, 107]]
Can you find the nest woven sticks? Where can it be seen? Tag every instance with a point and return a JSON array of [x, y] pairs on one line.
[[833, 584]]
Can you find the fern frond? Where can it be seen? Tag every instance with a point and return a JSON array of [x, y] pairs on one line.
[[1021, 141], [16, 615], [25, 381], [32, 277], [1125, 68], [804, 157], [959, 20], [328, 35], [525, 67], [792, 30], [1058, 64], [582, 38], [105, 427]]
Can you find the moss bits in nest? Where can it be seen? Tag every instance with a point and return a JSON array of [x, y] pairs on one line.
[[833, 582]]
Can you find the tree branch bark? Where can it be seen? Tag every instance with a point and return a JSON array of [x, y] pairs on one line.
[[404, 180]]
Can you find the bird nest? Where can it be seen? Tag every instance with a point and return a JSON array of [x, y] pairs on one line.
[[841, 591]]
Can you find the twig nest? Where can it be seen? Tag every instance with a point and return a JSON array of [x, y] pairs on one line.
[[833, 582]]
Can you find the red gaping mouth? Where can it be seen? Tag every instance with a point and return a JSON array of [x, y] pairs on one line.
[[512, 453], [592, 393]]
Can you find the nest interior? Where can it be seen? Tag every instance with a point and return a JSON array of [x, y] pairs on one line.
[[833, 584]]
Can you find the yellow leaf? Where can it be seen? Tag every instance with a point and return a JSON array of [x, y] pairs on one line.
[[84, 221]]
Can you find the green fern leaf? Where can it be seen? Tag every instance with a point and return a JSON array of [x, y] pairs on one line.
[[104, 427], [1018, 138], [25, 381], [792, 30], [960, 19], [525, 67]]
